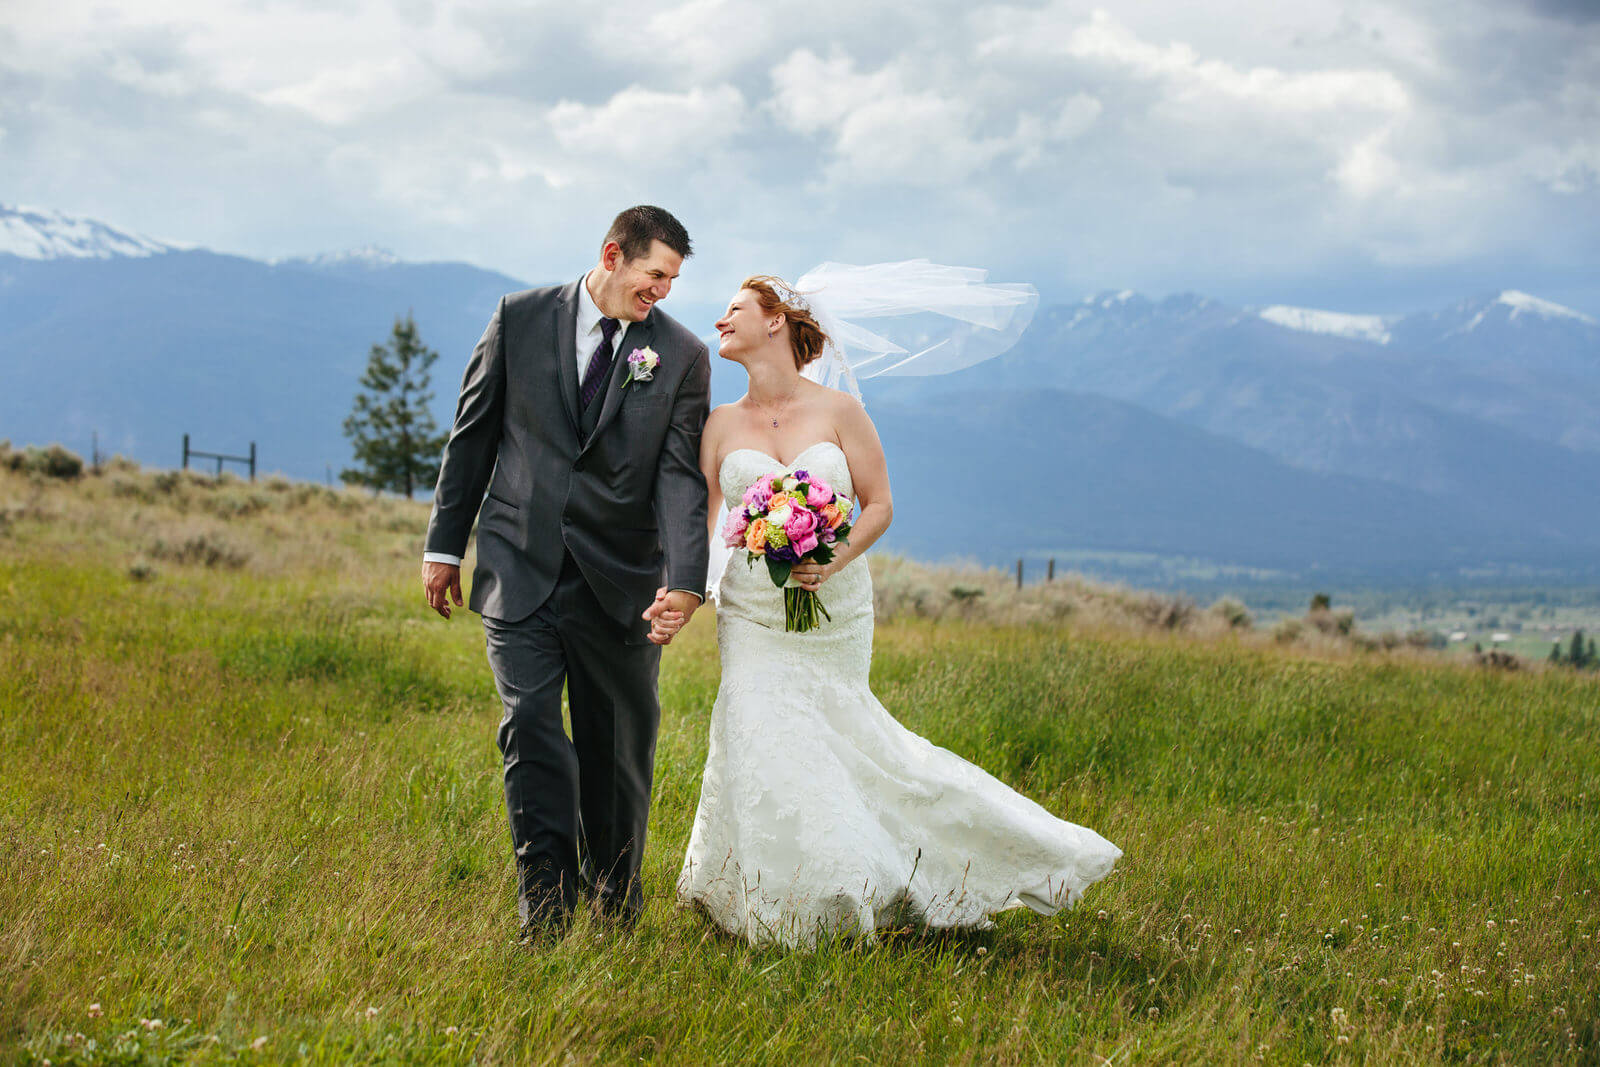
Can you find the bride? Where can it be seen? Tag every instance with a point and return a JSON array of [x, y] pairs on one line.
[[819, 813]]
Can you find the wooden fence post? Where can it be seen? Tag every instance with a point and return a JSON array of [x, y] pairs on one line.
[[220, 457]]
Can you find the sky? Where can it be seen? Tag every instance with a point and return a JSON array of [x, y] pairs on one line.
[[1357, 156]]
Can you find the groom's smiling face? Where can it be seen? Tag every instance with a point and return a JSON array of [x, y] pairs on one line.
[[629, 288]]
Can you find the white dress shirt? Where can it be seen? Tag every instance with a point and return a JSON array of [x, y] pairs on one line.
[[589, 335]]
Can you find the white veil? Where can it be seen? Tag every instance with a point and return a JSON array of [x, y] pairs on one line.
[[925, 319]]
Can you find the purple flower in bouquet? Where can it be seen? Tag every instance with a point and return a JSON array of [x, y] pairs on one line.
[[756, 497]]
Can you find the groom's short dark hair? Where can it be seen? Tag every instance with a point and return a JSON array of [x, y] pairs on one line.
[[635, 229]]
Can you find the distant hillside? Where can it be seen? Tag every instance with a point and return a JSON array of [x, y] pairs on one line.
[[226, 348], [1290, 440], [1043, 473], [1491, 409]]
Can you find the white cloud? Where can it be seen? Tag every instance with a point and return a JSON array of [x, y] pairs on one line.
[[1036, 134], [340, 94], [882, 129], [1158, 145], [643, 126], [693, 41], [1193, 79]]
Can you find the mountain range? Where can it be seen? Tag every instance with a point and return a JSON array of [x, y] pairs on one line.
[[1274, 442]]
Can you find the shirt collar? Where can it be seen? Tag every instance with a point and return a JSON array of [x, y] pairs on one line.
[[589, 314]]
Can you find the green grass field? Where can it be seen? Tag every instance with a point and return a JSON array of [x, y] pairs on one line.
[[251, 812]]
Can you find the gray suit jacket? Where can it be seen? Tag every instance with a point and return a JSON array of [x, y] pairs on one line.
[[627, 499]]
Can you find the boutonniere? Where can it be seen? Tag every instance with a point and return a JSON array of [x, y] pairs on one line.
[[642, 364]]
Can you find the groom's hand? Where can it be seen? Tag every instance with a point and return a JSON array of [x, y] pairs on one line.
[[441, 581], [669, 613]]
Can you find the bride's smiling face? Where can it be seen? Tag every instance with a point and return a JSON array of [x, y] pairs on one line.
[[744, 327]]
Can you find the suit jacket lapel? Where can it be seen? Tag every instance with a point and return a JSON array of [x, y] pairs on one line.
[[566, 326], [638, 336]]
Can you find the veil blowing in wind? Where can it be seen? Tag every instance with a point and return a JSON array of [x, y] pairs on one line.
[[910, 318]]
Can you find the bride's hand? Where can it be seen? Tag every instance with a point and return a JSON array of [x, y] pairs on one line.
[[810, 576]]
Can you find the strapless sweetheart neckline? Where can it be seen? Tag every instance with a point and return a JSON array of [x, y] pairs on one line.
[[792, 464]]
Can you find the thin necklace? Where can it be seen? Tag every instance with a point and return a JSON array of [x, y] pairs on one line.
[[781, 407]]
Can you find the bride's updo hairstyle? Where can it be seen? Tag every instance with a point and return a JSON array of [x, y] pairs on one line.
[[776, 296]]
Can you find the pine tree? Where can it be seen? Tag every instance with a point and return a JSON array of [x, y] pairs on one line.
[[396, 440], [1577, 655], [1555, 652], [1593, 657]]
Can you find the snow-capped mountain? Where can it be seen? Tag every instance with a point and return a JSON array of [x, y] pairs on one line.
[[370, 257], [1374, 328], [1500, 317], [1522, 303], [1493, 402], [1504, 308], [40, 233], [140, 341]]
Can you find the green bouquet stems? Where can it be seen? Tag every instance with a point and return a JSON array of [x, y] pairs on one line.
[[802, 610]]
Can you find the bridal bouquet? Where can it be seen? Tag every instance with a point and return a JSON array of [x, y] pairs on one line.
[[788, 519]]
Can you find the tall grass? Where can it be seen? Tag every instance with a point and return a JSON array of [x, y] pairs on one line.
[[260, 804]]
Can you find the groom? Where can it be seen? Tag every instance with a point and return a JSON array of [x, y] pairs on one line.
[[579, 416]]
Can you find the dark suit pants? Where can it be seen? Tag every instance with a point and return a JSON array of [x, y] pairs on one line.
[[577, 806]]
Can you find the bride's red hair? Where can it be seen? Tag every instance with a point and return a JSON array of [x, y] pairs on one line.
[[777, 296]]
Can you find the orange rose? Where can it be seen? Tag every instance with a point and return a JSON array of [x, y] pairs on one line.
[[832, 516], [778, 500], [755, 538]]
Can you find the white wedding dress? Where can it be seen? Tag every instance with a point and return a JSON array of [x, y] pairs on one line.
[[819, 813]]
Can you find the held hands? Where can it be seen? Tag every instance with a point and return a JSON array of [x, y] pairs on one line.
[[440, 582], [669, 613]]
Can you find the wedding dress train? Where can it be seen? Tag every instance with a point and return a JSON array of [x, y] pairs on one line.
[[819, 813]]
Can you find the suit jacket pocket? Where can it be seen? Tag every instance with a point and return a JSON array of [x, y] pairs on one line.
[[645, 400], [503, 502]]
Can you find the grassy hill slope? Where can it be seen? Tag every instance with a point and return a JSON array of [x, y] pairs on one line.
[[251, 811]]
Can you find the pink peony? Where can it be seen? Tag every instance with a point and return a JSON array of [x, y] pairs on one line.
[[819, 493], [733, 530], [801, 523], [805, 544]]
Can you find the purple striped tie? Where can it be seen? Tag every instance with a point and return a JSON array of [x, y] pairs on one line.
[[599, 363]]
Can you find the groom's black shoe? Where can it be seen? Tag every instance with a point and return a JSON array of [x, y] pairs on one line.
[[618, 910], [545, 917], [611, 899]]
